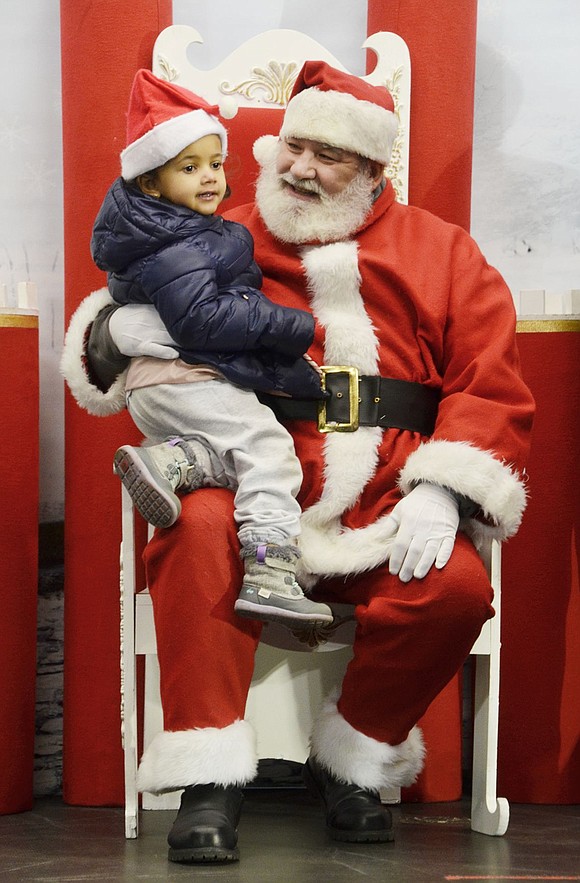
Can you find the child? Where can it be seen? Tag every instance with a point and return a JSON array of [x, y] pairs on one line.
[[161, 243]]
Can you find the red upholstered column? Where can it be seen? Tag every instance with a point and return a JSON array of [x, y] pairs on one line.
[[103, 44], [18, 555], [441, 40], [539, 738]]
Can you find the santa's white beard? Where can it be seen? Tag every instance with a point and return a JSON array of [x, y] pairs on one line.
[[328, 218]]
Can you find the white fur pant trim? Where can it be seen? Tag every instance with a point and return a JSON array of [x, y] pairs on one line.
[[224, 757], [361, 760]]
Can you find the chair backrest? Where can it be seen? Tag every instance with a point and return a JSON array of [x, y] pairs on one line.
[[258, 78]]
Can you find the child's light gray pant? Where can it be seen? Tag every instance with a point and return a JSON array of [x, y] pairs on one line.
[[240, 445]]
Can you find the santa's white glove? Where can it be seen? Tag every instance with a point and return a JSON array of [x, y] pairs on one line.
[[137, 330], [424, 525]]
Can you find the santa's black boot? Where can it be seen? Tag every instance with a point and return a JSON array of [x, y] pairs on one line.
[[353, 814], [206, 827]]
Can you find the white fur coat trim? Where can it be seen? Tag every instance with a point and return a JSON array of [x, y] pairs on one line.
[[478, 475], [361, 760], [334, 282], [224, 757], [72, 363], [350, 459]]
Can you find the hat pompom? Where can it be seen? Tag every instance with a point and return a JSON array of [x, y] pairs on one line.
[[228, 107], [264, 149]]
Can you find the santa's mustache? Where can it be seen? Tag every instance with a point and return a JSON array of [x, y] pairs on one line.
[[305, 186]]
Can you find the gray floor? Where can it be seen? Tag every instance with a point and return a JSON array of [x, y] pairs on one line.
[[282, 838]]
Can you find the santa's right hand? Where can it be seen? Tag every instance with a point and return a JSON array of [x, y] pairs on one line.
[[137, 330]]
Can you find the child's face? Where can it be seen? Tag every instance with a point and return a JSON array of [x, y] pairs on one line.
[[194, 178]]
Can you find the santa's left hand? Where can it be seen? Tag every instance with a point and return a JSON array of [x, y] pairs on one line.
[[423, 525]]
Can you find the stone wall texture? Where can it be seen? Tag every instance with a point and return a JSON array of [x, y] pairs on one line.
[[49, 682]]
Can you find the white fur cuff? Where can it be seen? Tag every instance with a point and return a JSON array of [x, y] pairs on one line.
[[360, 760], [73, 361], [474, 473], [174, 760]]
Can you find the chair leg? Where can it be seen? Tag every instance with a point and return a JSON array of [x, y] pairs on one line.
[[129, 739], [131, 818], [128, 670], [489, 813]]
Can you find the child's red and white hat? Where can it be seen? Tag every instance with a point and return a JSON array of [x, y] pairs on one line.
[[162, 119]]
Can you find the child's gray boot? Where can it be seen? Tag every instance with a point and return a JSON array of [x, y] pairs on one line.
[[270, 591], [153, 474]]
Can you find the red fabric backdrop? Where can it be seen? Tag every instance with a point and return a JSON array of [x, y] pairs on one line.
[[539, 744], [102, 46], [247, 125], [441, 40], [18, 556]]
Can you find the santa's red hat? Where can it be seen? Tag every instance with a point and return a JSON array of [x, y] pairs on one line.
[[343, 110], [163, 119]]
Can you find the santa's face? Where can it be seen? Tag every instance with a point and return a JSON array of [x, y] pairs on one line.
[[310, 192], [333, 169]]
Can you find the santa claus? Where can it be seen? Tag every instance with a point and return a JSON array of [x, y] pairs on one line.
[[417, 455]]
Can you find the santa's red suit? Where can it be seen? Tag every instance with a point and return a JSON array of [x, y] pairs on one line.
[[405, 296], [412, 298]]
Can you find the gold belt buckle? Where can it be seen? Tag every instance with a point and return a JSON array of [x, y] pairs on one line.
[[353, 398]]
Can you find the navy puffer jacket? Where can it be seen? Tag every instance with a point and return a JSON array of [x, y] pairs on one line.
[[200, 275]]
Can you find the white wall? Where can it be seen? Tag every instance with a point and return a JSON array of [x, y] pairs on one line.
[[526, 206], [526, 172], [339, 24], [31, 238]]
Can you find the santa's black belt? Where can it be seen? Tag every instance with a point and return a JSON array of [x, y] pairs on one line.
[[362, 401]]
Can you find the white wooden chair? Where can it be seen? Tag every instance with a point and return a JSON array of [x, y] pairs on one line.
[[260, 74]]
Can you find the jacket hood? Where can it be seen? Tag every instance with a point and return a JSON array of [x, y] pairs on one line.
[[131, 225]]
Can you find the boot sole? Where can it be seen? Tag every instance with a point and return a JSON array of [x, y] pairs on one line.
[[203, 856], [344, 836], [288, 618], [150, 500]]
